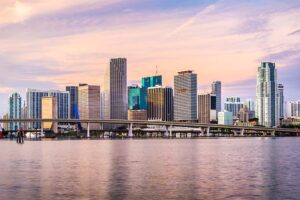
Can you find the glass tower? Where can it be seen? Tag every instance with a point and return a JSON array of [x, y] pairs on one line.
[[147, 82], [73, 90]]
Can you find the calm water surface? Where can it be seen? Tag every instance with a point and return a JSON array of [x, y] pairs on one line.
[[251, 168]]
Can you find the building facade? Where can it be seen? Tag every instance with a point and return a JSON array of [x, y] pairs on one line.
[[293, 109], [160, 104], [225, 118], [49, 111], [116, 94], [267, 110], [134, 97], [234, 105], [73, 90], [245, 115], [250, 104], [147, 82], [207, 104], [137, 114], [89, 103], [216, 88], [34, 104], [14, 111], [185, 96], [281, 101]]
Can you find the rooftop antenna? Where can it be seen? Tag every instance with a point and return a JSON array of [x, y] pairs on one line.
[[156, 72]]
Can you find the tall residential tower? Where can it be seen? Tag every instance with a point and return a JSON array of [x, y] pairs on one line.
[[267, 95]]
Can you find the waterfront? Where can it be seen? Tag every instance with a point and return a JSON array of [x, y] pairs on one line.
[[223, 168]]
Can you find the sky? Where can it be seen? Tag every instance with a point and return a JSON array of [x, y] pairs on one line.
[[50, 44]]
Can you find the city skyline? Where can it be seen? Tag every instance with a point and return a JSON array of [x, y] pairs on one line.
[[82, 35]]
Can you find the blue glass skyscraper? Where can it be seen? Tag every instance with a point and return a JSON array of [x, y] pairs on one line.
[[147, 82]]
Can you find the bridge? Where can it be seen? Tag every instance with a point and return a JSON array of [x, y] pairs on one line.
[[169, 129]]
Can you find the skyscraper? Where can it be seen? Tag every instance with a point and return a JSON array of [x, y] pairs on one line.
[[160, 104], [207, 108], [116, 94], [134, 97], [267, 95], [147, 82], [250, 104], [216, 88], [89, 103], [293, 109], [234, 105], [281, 100], [34, 104], [14, 112], [73, 90], [185, 96]]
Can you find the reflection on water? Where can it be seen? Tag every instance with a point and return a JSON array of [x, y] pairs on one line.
[[251, 168]]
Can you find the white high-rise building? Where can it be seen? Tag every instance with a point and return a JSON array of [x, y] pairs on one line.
[[293, 109], [250, 104], [116, 92], [267, 109], [281, 100], [216, 88], [185, 96]]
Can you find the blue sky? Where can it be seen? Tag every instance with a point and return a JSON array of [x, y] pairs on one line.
[[51, 44]]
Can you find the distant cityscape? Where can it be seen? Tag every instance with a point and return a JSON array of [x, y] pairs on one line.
[[152, 101]]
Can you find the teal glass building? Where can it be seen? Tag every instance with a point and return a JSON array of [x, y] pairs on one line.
[[147, 82], [134, 97]]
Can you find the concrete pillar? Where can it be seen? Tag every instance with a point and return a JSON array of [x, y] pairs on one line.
[[242, 132], [88, 131], [202, 131], [130, 134], [208, 132], [42, 128], [273, 134]]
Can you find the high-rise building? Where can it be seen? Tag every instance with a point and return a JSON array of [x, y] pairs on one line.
[[134, 97], [73, 90], [207, 108], [267, 95], [147, 82], [293, 109], [281, 100], [49, 111], [225, 118], [185, 96], [250, 104], [14, 112], [89, 103], [116, 94], [234, 105], [160, 103], [216, 88], [34, 104]]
